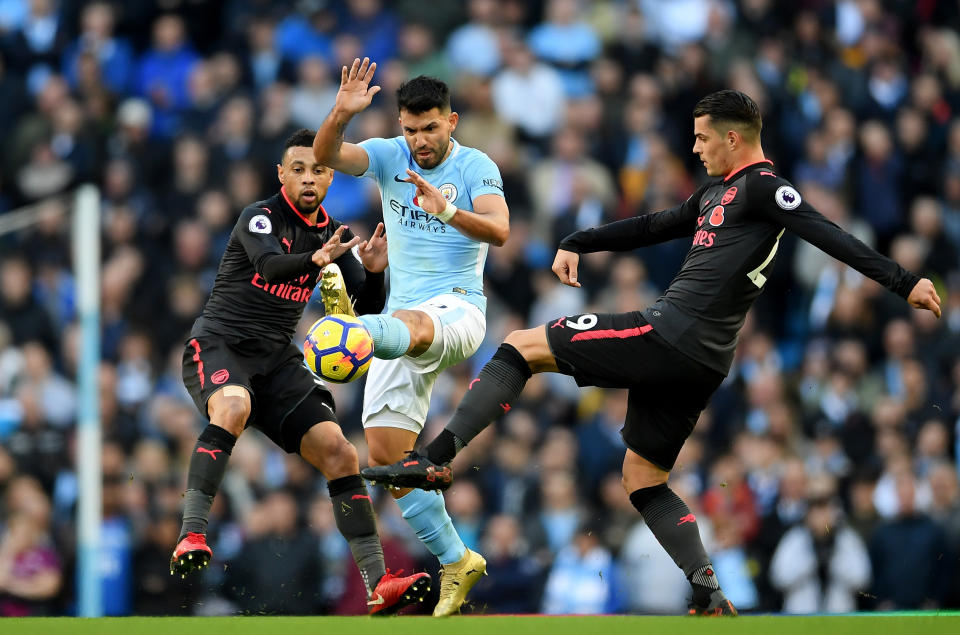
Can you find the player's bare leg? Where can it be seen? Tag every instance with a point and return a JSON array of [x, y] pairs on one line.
[[228, 409], [491, 394], [325, 447], [425, 512], [675, 527]]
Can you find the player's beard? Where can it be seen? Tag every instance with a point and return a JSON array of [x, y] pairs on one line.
[[307, 208], [435, 157]]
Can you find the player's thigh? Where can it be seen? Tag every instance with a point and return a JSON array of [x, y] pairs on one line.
[[610, 350], [218, 379], [394, 388], [458, 331], [282, 391], [661, 414]]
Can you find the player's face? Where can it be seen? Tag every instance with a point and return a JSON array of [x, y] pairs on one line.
[[711, 146], [305, 180], [428, 135]]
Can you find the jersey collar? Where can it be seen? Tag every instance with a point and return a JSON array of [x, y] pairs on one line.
[[743, 168], [323, 212]]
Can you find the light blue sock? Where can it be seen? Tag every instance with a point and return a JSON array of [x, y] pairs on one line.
[[425, 512], [391, 337]]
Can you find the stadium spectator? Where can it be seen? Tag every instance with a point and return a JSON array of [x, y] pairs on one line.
[[821, 564], [909, 555]]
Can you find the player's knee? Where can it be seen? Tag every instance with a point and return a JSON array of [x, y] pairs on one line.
[[231, 414], [420, 326], [325, 447], [632, 480], [343, 458], [531, 345]]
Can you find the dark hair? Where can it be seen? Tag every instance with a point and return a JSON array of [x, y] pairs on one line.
[[731, 106], [423, 93], [302, 138]]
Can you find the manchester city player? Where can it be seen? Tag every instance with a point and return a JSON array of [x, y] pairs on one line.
[[443, 205]]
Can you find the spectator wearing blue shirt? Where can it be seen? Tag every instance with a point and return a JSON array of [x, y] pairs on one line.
[[568, 44], [164, 73], [114, 55]]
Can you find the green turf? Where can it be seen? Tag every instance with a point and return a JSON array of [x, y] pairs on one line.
[[887, 624]]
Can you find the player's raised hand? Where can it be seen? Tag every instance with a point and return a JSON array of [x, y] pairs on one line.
[[333, 248], [565, 266], [355, 91], [373, 252], [924, 296], [428, 196]]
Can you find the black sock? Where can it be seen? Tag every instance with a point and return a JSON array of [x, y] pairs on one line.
[[675, 527], [500, 382], [208, 463], [353, 512]]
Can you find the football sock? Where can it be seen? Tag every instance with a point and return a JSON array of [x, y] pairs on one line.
[[675, 527], [426, 514], [208, 463], [353, 512], [391, 337], [500, 382]]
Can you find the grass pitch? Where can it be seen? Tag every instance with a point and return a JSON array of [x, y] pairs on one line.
[[887, 624]]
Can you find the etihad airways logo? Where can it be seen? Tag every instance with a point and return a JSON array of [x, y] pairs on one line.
[[414, 218]]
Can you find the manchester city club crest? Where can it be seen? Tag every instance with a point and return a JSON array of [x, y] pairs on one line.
[[449, 191]]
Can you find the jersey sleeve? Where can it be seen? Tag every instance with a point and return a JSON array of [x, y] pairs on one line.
[[255, 231], [778, 202], [482, 176], [366, 288], [381, 153], [639, 231]]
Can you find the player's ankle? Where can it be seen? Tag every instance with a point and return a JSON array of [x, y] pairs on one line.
[[442, 449]]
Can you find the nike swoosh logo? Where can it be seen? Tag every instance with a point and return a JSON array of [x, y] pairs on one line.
[[376, 602], [397, 178]]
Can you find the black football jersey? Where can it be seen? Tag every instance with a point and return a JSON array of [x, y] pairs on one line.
[[266, 275], [735, 225]]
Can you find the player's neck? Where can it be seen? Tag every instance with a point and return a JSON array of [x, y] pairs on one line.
[[750, 157]]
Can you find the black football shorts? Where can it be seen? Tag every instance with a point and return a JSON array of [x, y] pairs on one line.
[[275, 377], [668, 390]]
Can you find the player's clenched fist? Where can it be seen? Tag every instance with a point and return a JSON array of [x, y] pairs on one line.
[[565, 266], [924, 296]]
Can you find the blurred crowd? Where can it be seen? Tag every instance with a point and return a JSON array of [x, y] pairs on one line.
[[824, 474]]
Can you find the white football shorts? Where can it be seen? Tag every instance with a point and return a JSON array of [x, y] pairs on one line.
[[397, 394]]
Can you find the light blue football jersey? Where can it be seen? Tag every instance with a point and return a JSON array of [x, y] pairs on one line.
[[427, 257]]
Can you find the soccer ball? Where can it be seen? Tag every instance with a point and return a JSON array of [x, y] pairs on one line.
[[338, 348]]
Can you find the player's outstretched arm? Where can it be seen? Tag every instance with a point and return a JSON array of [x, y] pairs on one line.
[[489, 221], [769, 196], [924, 296], [355, 94]]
